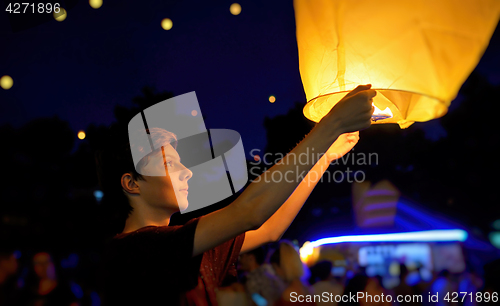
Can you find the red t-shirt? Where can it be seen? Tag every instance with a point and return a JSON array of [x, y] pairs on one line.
[[154, 266]]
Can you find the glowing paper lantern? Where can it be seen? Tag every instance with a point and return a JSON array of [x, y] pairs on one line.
[[95, 3], [61, 15], [167, 24], [6, 82], [416, 54], [235, 9]]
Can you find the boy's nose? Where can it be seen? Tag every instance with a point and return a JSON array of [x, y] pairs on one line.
[[186, 174]]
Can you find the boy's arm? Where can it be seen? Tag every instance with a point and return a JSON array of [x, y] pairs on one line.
[[275, 227], [263, 198]]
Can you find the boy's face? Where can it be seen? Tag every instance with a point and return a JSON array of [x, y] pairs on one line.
[[166, 191]]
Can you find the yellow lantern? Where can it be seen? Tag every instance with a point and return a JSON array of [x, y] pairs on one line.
[[416, 54]]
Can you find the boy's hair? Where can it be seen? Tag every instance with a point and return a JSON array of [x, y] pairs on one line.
[[115, 159]]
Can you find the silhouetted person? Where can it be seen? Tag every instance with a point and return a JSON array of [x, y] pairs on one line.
[[469, 282], [404, 288], [260, 278], [442, 285], [287, 264], [323, 281], [43, 288], [492, 277], [367, 285], [8, 284]]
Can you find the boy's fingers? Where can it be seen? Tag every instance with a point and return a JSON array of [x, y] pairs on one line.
[[369, 94], [372, 93], [358, 89]]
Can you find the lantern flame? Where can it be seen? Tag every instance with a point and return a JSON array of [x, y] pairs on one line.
[[379, 114]]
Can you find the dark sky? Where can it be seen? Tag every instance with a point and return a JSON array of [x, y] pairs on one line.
[[79, 69]]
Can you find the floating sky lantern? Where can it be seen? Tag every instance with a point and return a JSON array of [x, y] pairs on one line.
[[95, 4], [60, 15], [166, 23], [6, 82], [416, 54], [81, 135], [235, 9]]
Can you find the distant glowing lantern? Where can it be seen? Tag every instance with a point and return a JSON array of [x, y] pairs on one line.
[[167, 23], [416, 54], [61, 15], [81, 135], [235, 9], [272, 99], [95, 3], [6, 82]]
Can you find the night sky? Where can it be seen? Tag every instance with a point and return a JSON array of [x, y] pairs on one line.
[[79, 69]]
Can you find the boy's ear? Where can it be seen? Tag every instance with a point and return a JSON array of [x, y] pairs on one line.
[[129, 185]]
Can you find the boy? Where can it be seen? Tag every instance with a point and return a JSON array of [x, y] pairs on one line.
[[152, 263]]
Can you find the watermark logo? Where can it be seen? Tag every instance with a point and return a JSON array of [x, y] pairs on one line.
[[26, 15], [169, 139], [351, 159]]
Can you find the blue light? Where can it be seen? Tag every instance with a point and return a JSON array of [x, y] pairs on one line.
[[77, 290], [95, 299], [495, 239], [70, 262], [259, 299], [98, 195], [422, 236], [17, 254]]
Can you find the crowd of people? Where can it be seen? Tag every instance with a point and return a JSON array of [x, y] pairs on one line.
[[271, 275], [278, 277], [37, 284]]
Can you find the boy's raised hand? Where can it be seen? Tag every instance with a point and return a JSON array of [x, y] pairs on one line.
[[262, 199], [352, 113], [342, 146]]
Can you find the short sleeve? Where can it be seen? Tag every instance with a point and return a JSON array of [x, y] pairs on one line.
[[156, 255], [223, 259], [173, 244], [157, 262], [235, 253]]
